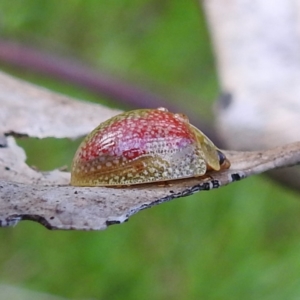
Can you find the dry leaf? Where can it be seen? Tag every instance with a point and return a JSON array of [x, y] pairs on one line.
[[26, 194]]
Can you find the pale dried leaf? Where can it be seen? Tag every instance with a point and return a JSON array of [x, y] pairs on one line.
[[37, 112], [27, 194], [13, 167], [94, 208]]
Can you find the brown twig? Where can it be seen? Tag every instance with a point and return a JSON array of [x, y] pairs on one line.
[[100, 83]]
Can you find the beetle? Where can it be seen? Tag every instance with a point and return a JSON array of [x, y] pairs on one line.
[[144, 146]]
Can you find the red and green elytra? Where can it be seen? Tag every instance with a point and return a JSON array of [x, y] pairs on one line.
[[143, 146]]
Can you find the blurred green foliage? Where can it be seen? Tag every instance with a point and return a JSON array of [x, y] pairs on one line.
[[239, 242]]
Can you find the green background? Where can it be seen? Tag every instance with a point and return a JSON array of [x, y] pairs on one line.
[[238, 242]]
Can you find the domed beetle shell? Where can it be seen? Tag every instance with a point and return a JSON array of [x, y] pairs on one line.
[[143, 146]]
